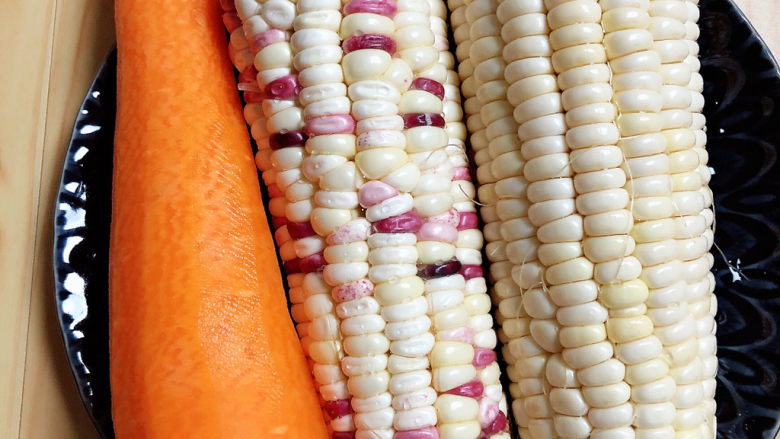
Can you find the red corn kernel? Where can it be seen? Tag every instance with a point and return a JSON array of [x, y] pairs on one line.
[[292, 266], [440, 270], [472, 389], [342, 435], [286, 139], [497, 425], [433, 231], [248, 75], [433, 87], [279, 221], [274, 191], [380, 7], [227, 5], [353, 290], [468, 220], [300, 230], [286, 87], [483, 356], [312, 263], [266, 38], [370, 41], [471, 271], [461, 173], [231, 21], [374, 192], [409, 222], [423, 120], [338, 408], [333, 124]]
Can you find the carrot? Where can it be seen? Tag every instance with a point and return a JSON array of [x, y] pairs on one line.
[[201, 342]]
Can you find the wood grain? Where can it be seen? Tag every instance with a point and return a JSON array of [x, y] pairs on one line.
[[83, 34], [54, 48], [22, 130], [763, 15]]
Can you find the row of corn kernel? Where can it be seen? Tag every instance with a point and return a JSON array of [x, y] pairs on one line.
[[670, 318], [637, 86], [243, 59], [535, 100], [529, 338], [375, 86], [703, 302], [492, 402], [330, 148], [483, 83], [242, 54], [420, 107], [476, 128], [452, 356]]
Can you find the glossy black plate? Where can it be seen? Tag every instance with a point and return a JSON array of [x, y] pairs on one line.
[[742, 89], [81, 231]]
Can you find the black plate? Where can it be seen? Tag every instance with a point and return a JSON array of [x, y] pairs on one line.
[[81, 230], [742, 89]]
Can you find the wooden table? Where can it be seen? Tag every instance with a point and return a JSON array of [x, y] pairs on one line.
[[51, 50]]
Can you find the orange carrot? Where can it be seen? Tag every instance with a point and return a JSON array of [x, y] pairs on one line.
[[201, 342]]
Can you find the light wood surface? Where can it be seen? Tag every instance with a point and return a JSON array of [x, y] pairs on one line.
[[51, 50]]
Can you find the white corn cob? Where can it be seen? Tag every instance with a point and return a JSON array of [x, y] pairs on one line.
[[268, 27], [610, 266], [328, 165], [493, 405], [375, 83]]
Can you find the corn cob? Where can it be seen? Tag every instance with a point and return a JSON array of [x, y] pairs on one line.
[[629, 325]]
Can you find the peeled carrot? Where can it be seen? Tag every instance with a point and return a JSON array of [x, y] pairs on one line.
[[201, 342]]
